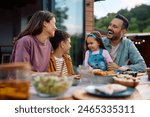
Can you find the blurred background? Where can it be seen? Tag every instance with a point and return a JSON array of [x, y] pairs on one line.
[[77, 17]]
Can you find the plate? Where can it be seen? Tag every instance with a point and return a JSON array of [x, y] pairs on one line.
[[91, 90]]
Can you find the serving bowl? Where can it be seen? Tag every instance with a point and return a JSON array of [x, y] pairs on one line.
[[48, 85]]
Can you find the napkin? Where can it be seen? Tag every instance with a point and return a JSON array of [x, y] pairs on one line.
[[109, 89]]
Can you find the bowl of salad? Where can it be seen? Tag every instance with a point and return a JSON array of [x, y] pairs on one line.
[[48, 85]]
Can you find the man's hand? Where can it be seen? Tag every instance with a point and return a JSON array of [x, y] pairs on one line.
[[113, 66]]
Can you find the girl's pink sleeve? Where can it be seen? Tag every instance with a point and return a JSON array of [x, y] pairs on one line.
[[107, 56]]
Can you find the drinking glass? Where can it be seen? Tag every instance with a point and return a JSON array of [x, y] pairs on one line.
[[86, 75]]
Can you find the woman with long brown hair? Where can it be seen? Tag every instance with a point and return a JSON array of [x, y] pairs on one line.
[[32, 44]]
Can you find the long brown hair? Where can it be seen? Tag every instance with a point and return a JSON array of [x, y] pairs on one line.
[[35, 24]]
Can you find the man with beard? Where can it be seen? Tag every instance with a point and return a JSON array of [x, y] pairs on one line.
[[122, 49]]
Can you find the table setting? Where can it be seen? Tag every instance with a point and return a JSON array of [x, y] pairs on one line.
[[92, 85], [86, 88]]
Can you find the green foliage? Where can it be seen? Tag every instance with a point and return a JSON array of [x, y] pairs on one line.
[[76, 52], [103, 22], [133, 26], [147, 29], [139, 19], [61, 14]]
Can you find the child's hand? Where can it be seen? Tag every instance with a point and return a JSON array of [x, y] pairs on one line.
[[77, 77]]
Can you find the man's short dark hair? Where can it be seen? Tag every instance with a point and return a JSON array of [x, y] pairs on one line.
[[58, 38], [124, 19]]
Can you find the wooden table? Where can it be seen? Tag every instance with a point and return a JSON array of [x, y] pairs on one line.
[[143, 92]]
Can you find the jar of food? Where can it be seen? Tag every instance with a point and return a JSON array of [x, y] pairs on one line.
[[14, 80]]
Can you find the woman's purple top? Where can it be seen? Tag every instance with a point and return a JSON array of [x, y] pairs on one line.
[[30, 49]]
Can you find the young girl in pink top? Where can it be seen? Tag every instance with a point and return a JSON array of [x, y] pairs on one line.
[[96, 56]]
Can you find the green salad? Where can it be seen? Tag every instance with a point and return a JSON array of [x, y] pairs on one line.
[[52, 85]]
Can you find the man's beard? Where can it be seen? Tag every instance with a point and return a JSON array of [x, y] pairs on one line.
[[113, 38]]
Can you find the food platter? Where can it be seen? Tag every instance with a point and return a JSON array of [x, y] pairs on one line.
[[103, 73], [92, 91], [126, 80]]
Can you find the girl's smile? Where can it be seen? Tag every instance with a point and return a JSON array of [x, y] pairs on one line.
[[92, 44]]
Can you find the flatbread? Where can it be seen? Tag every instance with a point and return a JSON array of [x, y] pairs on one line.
[[111, 88]]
